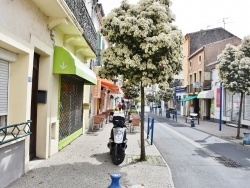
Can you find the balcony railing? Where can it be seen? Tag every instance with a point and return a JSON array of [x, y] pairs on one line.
[[14, 132], [81, 14], [191, 89]]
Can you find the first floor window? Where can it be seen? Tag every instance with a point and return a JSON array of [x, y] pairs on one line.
[[4, 80]]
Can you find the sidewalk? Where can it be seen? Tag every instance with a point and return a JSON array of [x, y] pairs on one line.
[[227, 132], [86, 163]]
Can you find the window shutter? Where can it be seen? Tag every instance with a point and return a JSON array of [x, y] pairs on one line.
[[247, 107], [4, 77]]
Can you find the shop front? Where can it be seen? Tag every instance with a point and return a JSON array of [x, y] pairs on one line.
[[206, 101], [73, 76]]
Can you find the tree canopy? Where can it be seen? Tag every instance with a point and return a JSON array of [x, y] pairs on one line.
[[144, 47], [150, 97], [234, 71], [166, 95], [130, 90]]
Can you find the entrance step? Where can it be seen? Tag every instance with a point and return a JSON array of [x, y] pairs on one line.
[[231, 124]]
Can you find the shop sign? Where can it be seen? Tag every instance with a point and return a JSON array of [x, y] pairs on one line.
[[218, 97], [96, 89]]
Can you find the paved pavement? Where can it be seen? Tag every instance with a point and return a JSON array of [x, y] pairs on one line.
[[87, 163], [227, 132]]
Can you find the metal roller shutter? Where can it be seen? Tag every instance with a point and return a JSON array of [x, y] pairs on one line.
[[247, 107], [4, 77]]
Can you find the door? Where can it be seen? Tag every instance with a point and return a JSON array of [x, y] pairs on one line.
[[33, 111], [208, 106]]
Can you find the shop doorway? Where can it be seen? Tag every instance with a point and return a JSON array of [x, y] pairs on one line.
[[33, 110]]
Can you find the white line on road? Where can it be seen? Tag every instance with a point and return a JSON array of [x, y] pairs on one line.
[[197, 145]]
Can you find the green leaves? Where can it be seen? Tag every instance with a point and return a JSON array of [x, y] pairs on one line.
[[130, 90], [234, 68], [144, 46], [150, 97]]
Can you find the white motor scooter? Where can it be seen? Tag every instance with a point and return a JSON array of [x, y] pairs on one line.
[[118, 141]]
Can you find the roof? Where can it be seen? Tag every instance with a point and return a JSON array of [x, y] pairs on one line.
[[204, 37]]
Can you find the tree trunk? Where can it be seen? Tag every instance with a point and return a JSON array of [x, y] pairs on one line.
[[239, 117], [143, 154]]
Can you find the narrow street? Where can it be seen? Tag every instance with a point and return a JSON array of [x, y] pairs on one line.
[[198, 159]]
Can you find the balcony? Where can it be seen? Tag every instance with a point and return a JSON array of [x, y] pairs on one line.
[[191, 89], [81, 14]]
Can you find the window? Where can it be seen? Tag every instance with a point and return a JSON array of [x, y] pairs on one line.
[[190, 64], [200, 73], [195, 77], [190, 79], [199, 59]]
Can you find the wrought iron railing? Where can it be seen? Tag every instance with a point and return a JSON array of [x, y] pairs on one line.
[[14, 132], [82, 16]]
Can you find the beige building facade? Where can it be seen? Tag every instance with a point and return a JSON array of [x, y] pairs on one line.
[[32, 33]]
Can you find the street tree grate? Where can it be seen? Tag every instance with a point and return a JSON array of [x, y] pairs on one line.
[[150, 160], [227, 162]]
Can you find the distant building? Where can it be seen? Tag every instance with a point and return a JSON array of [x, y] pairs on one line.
[[199, 49]]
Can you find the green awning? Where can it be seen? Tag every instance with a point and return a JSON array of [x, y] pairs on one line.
[[188, 98], [67, 63]]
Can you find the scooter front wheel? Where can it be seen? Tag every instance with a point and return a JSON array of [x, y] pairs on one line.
[[118, 156]]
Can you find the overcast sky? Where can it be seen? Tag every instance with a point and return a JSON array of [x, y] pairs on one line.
[[194, 15]]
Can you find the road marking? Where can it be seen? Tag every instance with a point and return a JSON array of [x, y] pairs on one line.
[[197, 145]]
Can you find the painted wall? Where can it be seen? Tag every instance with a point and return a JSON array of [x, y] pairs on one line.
[[24, 31], [10, 156], [185, 64], [23, 18]]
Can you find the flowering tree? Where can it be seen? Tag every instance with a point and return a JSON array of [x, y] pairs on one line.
[[130, 90], [234, 71], [166, 95], [150, 97], [144, 48]]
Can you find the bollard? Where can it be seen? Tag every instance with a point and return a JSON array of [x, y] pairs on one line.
[[246, 139], [192, 123], [167, 113], [115, 181]]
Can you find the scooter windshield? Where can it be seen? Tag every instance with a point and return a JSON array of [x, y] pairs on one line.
[[118, 134]]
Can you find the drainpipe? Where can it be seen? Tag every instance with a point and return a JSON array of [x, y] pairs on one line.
[[220, 106]]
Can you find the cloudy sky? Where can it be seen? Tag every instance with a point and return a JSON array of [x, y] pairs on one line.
[[194, 15]]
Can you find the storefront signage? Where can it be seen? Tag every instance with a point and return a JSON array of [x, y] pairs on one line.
[[96, 89], [207, 76], [197, 84], [218, 97]]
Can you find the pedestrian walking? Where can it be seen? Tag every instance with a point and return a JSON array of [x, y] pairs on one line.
[[119, 106]]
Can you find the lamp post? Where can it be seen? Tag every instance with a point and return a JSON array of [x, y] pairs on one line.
[[175, 99]]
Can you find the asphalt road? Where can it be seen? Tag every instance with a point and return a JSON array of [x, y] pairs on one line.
[[200, 160]]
